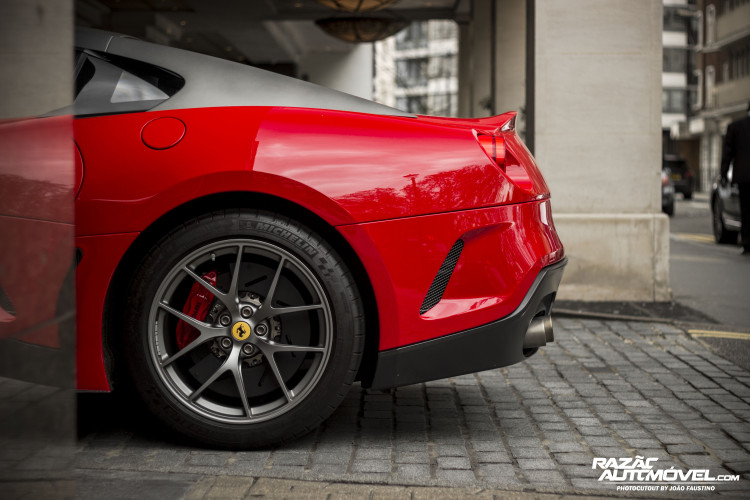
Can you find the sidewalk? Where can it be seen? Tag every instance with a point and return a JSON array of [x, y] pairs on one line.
[[604, 388], [607, 388]]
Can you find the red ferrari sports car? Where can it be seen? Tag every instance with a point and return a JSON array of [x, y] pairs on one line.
[[249, 245]]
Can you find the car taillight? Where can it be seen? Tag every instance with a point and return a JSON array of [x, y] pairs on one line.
[[494, 146]]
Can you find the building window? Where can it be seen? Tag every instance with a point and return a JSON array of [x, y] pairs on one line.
[[698, 28], [739, 63], [412, 72], [675, 60], [414, 36], [736, 4], [673, 20], [710, 24], [710, 83], [698, 94], [673, 100], [443, 30], [444, 66], [413, 104], [443, 104]]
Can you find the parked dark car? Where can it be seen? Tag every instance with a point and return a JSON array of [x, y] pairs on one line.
[[725, 210], [667, 194], [680, 175]]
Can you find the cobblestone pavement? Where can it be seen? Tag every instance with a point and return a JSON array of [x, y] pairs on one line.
[[607, 389]]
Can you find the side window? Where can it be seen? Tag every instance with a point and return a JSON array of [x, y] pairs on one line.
[[130, 88], [109, 84], [84, 74]]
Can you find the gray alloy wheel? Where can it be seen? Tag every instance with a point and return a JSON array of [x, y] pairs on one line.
[[245, 329]]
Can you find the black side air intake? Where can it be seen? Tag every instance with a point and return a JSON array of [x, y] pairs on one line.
[[435, 293]]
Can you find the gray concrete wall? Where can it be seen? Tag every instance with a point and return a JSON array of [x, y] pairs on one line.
[[36, 40], [598, 143], [349, 72]]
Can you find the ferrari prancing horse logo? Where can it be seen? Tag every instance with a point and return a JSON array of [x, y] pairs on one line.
[[241, 330]]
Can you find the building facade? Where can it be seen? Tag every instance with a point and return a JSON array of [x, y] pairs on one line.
[[722, 76], [679, 84], [417, 69]]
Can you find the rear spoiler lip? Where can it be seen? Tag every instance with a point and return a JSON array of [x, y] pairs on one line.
[[492, 125], [500, 123]]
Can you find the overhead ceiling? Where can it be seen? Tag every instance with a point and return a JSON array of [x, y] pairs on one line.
[[255, 31]]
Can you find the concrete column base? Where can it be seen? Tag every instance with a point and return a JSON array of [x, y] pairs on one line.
[[615, 256]]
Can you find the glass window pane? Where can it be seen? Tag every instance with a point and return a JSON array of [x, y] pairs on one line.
[[130, 88]]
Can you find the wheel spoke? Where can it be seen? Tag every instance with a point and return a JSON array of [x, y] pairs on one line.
[[225, 366], [274, 282], [232, 293], [208, 286], [278, 311], [266, 311], [276, 347], [202, 338], [194, 395], [279, 378], [199, 325], [237, 372]]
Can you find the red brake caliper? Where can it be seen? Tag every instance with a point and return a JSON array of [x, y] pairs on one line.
[[196, 306]]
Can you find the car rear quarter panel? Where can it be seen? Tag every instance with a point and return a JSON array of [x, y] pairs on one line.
[[378, 167], [400, 190], [36, 225]]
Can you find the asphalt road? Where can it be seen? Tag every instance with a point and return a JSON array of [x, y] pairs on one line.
[[713, 279]]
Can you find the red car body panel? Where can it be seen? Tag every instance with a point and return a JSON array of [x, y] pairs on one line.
[[36, 224], [100, 258], [404, 255], [401, 190]]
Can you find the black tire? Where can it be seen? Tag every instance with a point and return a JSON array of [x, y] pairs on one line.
[[721, 233], [307, 300]]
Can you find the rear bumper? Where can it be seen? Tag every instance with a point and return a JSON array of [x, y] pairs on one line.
[[485, 347]]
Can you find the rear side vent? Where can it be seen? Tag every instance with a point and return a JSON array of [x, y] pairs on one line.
[[435, 293]]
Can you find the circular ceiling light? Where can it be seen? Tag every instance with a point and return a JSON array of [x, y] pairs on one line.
[[355, 6], [361, 29]]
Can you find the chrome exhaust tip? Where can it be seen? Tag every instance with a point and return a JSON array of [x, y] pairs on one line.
[[539, 332]]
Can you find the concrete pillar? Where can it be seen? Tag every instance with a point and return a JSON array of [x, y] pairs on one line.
[[475, 62], [36, 54], [510, 60], [597, 141], [465, 69], [37, 374], [349, 72]]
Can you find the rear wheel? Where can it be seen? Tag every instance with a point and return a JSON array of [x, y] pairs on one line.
[[721, 233], [245, 330]]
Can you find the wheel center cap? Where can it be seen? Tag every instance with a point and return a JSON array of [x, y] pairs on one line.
[[241, 330]]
